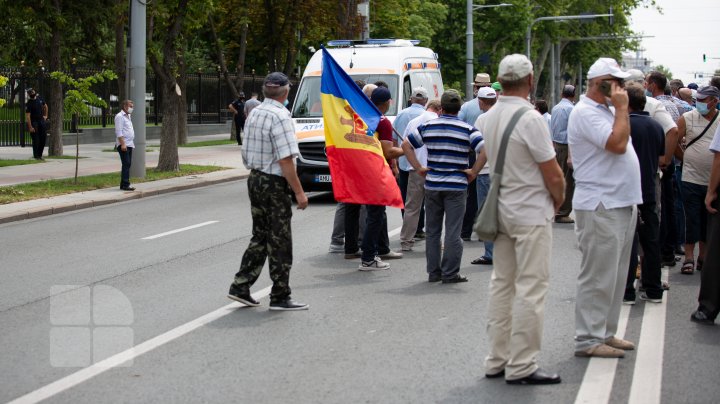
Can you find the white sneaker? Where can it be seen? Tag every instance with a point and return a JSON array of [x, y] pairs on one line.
[[336, 248], [373, 265]]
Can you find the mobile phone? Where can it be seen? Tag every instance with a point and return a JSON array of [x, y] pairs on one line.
[[605, 88]]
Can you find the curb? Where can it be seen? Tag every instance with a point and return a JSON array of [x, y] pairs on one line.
[[62, 207]]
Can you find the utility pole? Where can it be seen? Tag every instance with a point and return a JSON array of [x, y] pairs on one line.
[[364, 11], [136, 83]]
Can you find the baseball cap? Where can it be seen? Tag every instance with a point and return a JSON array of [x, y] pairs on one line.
[[606, 66], [496, 86], [635, 75], [276, 79], [451, 100], [241, 94], [486, 92], [707, 91], [419, 92], [692, 86], [380, 95], [514, 67], [482, 78]]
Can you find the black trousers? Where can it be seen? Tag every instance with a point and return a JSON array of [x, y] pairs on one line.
[[379, 239], [239, 124], [647, 236], [709, 299], [39, 137], [126, 160], [668, 222]]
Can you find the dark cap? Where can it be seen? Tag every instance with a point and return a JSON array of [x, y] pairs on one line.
[[380, 95], [451, 100], [276, 79], [241, 94], [692, 86], [708, 91]]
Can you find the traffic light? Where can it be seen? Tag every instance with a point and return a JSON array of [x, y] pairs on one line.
[[704, 58]]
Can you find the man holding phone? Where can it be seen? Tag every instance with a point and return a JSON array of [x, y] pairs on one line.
[[607, 190]]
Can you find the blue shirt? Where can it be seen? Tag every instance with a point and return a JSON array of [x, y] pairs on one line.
[[401, 122], [448, 141], [470, 111], [559, 121]]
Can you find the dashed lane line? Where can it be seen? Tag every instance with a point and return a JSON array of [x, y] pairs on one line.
[[167, 233]]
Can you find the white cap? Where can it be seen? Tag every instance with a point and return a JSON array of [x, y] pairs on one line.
[[635, 75], [514, 67], [420, 92], [604, 67], [486, 92]]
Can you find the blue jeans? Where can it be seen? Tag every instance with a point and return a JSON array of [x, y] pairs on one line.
[[483, 186], [126, 160]]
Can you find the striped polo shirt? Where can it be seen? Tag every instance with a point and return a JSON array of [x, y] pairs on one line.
[[449, 141]]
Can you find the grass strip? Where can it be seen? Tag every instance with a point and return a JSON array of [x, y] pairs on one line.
[[10, 163], [49, 188]]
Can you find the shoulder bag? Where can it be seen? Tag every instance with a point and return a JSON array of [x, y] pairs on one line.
[[486, 223]]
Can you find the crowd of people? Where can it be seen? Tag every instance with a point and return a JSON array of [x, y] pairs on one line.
[[634, 163]]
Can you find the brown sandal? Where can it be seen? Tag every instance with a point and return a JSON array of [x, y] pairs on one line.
[[688, 267]]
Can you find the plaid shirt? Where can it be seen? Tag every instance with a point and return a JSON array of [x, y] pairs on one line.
[[269, 137]]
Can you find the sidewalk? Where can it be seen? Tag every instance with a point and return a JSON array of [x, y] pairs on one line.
[[96, 161]]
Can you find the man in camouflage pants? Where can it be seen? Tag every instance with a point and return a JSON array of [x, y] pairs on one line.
[[269, 151]]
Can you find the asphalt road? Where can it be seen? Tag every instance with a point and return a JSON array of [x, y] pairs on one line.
[[378, 337]]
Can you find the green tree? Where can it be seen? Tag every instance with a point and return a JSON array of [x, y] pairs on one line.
[[79, 98]]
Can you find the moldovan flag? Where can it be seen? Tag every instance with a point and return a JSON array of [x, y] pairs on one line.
[[360, 173]]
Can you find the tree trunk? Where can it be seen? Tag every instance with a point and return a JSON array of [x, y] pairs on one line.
[[540, 64], [168, 158], [55, 104], [240, 78]]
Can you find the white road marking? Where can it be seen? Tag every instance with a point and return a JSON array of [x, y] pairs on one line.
[[600, 373], [167, 233], [89, 372], [647, 377], [394, 232]]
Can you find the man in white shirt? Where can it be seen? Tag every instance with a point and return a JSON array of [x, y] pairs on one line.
[[124, 136], [607, 190]]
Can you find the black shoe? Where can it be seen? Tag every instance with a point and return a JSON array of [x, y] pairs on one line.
[[127, 188], [241, 297], [434, 278], [419, 235], [539, 377], [482, 261], [701, 318], [495, 375], [288, 305], [455, 279], [466, 238]]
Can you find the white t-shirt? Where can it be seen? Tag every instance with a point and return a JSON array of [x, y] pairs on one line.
[[659, 113], [524, 199], [600, 176], [421, 152], [697, 160], [715, 145]]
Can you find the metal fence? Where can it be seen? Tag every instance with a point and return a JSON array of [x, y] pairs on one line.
[[208, 96]]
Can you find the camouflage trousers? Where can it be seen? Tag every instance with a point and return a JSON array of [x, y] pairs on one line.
[[271, 209]]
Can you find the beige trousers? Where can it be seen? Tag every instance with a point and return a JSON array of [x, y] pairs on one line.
[[520, 279]]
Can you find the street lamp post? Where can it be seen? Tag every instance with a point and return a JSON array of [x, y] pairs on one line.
[[469, 44], [528, 34]]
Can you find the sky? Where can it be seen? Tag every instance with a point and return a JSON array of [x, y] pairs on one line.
[[681, 34]]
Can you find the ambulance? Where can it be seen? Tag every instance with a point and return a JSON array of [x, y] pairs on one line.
[[398, 62]]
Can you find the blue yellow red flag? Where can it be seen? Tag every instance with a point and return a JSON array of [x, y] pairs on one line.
[[359, 171]]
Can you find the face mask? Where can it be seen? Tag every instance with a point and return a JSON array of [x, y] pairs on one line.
[[130, 110], [702, 108], [286, 102], [648, 93]]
